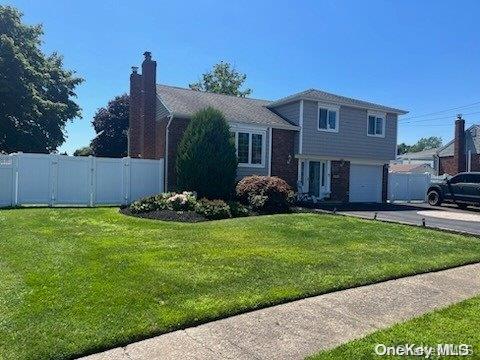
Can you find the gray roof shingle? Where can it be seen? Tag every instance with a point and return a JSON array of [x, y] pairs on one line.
[[318, 95], [183, 102], [472, 142]]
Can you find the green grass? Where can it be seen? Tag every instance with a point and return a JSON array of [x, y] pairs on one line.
[[76, 281], [457, 324]]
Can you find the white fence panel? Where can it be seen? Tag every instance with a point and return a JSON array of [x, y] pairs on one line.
[[408, 186], [7, 191], [73, 180], [35, 179], [27, 179], [146, 178], [109, 185]]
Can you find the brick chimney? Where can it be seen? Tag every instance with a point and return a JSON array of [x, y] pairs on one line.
[[149, 98], [459, 145], [135, 126]]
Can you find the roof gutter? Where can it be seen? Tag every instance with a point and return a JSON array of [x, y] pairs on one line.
[[166, 151]]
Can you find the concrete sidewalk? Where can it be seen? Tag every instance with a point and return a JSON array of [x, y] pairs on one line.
[[300, 328]]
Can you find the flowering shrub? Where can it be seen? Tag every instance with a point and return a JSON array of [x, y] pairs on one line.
[[165, 201], [182, 202], [267, 194]]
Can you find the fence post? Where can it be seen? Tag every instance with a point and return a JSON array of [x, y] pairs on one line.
[[126, 179], [92, 180]]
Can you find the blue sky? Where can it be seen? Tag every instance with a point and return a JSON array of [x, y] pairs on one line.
[[422, 56]]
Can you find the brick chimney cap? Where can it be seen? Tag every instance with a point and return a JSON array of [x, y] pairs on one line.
[[148, 55], [134, 69]]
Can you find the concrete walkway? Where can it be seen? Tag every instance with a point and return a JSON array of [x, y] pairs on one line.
[[300, 328]]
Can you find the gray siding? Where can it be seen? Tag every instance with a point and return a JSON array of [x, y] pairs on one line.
[[351, 141], [161, 110], [290, 112], [247, 171]]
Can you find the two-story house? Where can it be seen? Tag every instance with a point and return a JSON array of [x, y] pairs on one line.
[[330, 146]]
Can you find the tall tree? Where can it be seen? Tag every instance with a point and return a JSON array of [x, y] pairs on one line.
[[431, 142], [206, 159], [222, 79], [36, 92], [111, 126], [83, 151]]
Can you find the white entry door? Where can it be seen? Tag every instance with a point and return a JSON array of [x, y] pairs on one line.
[[366, 183]]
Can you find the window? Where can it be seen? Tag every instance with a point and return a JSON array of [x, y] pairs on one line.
[[472, 178], [376, 125], [327, 119], [250, 148], [243, 147], [457, 179]]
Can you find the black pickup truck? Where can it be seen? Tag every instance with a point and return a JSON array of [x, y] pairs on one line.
[[462, 189]]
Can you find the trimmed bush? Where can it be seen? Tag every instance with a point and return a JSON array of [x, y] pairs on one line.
[[238, 209], [213, 209], [266, 194], [206, 160]]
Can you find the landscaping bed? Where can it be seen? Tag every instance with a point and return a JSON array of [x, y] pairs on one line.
[[78, 281]]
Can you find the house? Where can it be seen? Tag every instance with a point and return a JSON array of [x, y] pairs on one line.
[[420, 157], [330, 146], [463, 152], [411, 168]]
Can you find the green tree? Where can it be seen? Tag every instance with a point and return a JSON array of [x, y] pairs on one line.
[[83, 151], [206, 160], [35, 90], [403, 148], [111, 126], [222, 79], [431, 142]]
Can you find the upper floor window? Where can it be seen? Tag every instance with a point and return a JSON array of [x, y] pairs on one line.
[[250, 147], [327, 118], [376, 125]]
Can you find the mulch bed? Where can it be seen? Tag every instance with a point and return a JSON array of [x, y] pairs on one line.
[[167, 215]]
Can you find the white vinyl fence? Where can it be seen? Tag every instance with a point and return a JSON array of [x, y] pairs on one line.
[[408, 186], [49, 179]]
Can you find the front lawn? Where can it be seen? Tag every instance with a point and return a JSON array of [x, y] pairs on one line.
[[76, 281], [457, 324]]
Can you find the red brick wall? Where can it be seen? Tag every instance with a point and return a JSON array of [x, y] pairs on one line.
[[135, 126], [284, 164], [475, 163], [340, 180], [175, 133], [447, 165], [160, 129], [149, 99]]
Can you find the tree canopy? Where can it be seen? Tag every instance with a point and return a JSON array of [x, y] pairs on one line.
[[222, 79], [207, 160], [36, 92], [83, 151], [431, 142], [111, 126]]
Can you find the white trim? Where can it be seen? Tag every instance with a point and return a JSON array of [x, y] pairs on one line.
[[235, 128], [270, 152], [340, 103], [329, 108], [377, 115], [300, 122]]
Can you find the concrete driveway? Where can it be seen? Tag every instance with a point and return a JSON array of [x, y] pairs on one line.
[[447, 217]]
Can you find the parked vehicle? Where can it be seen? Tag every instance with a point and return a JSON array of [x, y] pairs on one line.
[[462, 189]]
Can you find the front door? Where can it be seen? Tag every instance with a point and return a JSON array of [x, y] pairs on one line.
[[314, 179]]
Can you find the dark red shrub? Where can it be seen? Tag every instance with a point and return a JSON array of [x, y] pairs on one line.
[[267, 194]]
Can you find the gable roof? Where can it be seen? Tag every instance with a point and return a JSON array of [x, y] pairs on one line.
[[318, 95], [425, 154], [409, 167], [472, 142], [181, 102]]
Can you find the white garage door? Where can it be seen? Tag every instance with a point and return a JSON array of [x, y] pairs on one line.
[[366, 183]]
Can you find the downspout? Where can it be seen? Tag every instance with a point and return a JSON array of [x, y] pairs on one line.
[[166, 152]]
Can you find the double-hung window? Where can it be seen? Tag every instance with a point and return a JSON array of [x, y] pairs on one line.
[[327, 118], [250, 147], [376, 124]]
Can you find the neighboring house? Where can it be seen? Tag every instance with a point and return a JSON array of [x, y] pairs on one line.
[[420, 157], [463, 152], [331, 146], [411, 168]]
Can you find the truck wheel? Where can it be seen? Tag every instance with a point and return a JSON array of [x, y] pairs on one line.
[[433, 198]]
